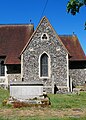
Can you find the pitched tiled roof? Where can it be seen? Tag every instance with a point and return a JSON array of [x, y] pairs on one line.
[[72, 44], [12, 40]]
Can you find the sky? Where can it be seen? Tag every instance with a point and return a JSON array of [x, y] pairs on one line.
[[22, 11]]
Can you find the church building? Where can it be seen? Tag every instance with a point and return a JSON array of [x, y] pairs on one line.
[[41, 55]]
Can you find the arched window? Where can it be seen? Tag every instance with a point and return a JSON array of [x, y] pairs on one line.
[[44, 65], [2, 68]]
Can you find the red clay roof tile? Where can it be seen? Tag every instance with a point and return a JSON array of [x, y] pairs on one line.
[[72, 44], [12, 40]]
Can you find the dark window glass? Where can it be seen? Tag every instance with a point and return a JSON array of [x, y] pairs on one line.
[[44, 65], [44, 36], [2, 69]]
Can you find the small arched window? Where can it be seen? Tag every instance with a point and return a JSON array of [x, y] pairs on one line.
[[2, 68], [44, 65]]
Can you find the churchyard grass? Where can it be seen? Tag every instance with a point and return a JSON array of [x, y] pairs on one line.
[[63, 107], [4, 94], [63, 101]]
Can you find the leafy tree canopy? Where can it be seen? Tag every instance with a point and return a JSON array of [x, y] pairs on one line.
[[74, 6]]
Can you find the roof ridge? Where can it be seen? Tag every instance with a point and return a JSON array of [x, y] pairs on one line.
[[67, 35], [14, 24]]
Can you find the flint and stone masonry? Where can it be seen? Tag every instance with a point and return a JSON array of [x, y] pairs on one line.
[[77, 76], [56, 52]]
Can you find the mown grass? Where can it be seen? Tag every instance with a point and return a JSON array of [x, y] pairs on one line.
[[63, 101], [36, 118], [4, 94], [59, 102]]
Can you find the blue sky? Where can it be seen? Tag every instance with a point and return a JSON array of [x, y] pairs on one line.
[[22, 11]]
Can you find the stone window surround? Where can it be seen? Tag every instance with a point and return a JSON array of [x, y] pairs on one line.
[[44, 65], [49, 67], [46, 36]]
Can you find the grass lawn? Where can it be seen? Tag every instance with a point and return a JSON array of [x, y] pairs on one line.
[[63, 107]]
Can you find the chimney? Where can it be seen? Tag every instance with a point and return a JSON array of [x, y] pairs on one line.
[[31, 27]]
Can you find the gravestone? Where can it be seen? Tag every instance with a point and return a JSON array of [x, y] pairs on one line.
[[25, 90]]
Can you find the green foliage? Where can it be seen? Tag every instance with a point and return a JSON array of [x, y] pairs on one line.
[[73, 6]]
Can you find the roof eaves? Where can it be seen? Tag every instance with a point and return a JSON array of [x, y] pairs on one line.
[[58, 36], [32, 36], [77, 59]]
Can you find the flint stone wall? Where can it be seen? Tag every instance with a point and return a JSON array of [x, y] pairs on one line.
[[13, 77], [54, 48], [78, 76], [2, 79]]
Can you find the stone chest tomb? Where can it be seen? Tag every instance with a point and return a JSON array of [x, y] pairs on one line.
[[25, 90]]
